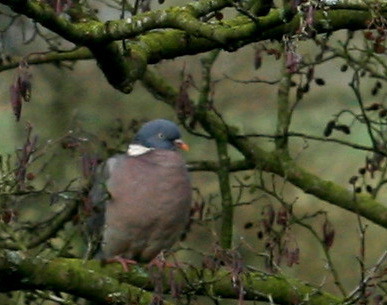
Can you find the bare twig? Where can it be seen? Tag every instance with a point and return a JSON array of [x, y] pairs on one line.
[[317, 138]]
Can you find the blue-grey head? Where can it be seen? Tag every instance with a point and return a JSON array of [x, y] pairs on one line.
[[160, 134]]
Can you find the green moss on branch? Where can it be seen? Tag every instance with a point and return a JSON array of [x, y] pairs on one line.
[[182, 33], [66, 275], [325, 190], [108, 284]]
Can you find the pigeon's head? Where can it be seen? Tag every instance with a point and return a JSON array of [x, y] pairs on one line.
[[160, 134]]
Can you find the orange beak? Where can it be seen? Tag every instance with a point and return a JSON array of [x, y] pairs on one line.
[[180, 144]]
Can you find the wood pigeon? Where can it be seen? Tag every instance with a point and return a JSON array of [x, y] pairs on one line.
[[142, 199]]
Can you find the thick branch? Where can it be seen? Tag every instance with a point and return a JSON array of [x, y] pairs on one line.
[[328, 191], [18, 273], [121, 69], [211, 166], [100, 284], [190, 35], [357, 4]]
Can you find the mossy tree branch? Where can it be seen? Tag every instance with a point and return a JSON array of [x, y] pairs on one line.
[[211, 166], [183, 32], [325, 190], [205, 102], [108, 285], [283, 107], [311, 184], [71, 276], [53, 57]]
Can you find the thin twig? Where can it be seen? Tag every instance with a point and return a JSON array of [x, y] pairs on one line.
[[316, 138], [382, 259]]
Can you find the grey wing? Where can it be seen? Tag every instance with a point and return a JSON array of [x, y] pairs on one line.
[[99, 197]]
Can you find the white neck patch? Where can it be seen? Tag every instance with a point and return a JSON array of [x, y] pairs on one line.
[[137, 150]]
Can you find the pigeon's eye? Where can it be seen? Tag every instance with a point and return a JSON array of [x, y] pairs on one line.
[[161, 135]]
